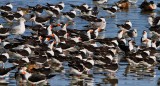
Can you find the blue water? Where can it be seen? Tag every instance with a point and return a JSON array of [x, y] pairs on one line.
[[139, 21]]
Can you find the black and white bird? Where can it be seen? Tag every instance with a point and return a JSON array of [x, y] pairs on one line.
[[5, 71], [153, 20], [32, 78], [99, 23], [70, 15], [113, 67], [3, 58], [53, 11], [7, 8], [61, 5], [9, 17], [26, 51], [112, 10], [40, 20], [126, 26]]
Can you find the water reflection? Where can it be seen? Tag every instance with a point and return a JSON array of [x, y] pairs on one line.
[[139, 71], [84, 80], [112, 80]]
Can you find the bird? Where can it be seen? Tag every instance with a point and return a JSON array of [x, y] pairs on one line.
[[148, 6], [76, 69], [70, 15], [123, 4], [17, 15], [113, 67], [26, 51], [38, 9], [131, 34], [61, 5], [53, 11], [3, 58], [126, 26], [4, 32], [32, 78], [112, 10], [98, 23], [19, 29], [134, 59], [5, 71], [14, 30], [153, 20], [40, 20], [9, 17], [6, 8]]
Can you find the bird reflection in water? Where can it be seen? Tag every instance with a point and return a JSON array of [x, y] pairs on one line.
[[139, 71], [82, 80], [112, 80]]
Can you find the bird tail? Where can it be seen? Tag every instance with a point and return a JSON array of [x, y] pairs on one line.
[[50, 76]]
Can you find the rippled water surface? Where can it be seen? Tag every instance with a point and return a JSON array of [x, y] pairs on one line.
[[126, 76]]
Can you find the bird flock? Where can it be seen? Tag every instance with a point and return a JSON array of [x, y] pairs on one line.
[[50, 43]]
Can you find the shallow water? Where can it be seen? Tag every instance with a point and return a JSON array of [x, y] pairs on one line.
[[125, 76]]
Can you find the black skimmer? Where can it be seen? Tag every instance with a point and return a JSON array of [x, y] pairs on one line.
[[53, 11], [38, 9], [149, 59], [8, 45], [113, 67], [126, 26], [105, 59], [40, 20], [153, 21], [90, 11], [26, 51], [148, 6], [61, 5], [5, 71], [129, 48], [33, 78], [80, 7], [112, 10], [70, 15], [88, 64], [9, 17], [8, 7], [3, 58], [19, 14], [76, 68], [134, 59], [4, 31], [98, 23]]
